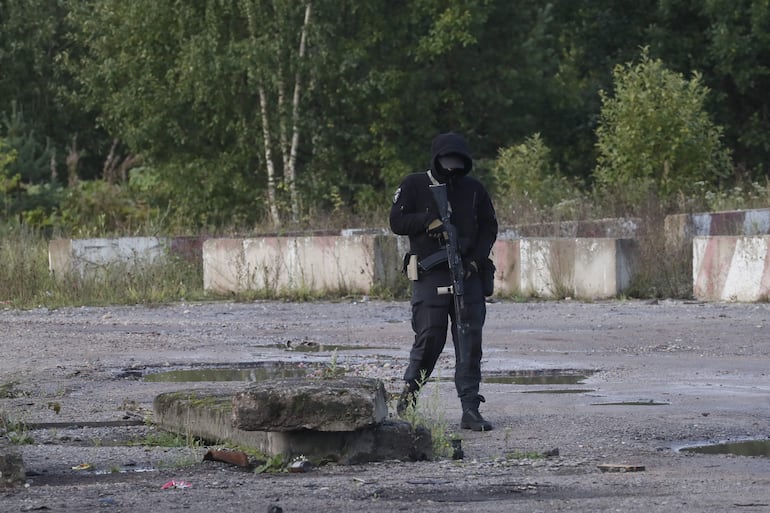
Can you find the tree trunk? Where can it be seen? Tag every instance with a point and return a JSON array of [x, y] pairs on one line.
[[290, 169], [275, 216]]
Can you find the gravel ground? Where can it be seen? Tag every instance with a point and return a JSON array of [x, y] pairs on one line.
[[658, 377]]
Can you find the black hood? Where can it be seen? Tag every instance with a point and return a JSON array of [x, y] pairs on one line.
[[449, 144]]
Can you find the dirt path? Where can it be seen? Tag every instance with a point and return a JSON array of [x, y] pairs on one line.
[[657, 377]]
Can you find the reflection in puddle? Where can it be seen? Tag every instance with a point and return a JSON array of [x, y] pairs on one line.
[[633, 403], [561, 391], [314, 347], [540, 377], [745, 448]]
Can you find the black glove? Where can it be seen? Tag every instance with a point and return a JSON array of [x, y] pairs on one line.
[[435, 229], [470, 268]]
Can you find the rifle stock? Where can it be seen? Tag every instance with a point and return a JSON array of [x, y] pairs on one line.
[[457, 289]]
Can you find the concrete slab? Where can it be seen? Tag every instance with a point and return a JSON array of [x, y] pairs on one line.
[[342, 404], [207, 414]]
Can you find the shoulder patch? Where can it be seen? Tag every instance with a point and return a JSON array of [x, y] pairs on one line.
[[397, 195]]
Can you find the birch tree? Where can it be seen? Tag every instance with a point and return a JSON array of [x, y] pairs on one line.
[[278, 50], [207, 90]]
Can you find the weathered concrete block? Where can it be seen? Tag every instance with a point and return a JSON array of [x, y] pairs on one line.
[[554, 267], [85, 257], [618, 228], [731, 268], [207, 414], [354, 262], [88, 257], [315, 263], [506, 255], [680, 229], [223, 267], [11, 466], [344, 404]]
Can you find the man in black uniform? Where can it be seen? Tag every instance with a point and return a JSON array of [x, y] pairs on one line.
[[414, 213]]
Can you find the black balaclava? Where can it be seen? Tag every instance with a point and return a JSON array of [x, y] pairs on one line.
[[450, 145]]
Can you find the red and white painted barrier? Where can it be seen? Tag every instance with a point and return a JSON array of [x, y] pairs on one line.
[[731, 268], [590, 268], [681, 228]]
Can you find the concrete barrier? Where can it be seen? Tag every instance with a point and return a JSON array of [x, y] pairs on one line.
[[87, 257], [560, 267], [352, 263], [731, 268], [680, 229], [618, 228], [358, 262]]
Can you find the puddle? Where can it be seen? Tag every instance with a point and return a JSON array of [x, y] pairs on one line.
[[744, 448], [561, 391], [314, 347], [243, 373], [633, 403], [540, 377]]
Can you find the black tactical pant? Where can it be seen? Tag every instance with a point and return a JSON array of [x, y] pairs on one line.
[[431, 313]]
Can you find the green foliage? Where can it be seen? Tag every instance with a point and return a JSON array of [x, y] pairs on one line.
[[728, 41], [526, 179], [655, 135], [742, 195], [168, 439], [33, 155], [425, 411], [180, 85], [98, 208], [10, 184], [16, 432], [273, 464]]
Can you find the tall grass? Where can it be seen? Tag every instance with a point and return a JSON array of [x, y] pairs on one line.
[[25, 281], [23, 268]]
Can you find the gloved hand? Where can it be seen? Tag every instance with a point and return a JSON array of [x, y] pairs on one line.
[[436, 229], [470, 268]]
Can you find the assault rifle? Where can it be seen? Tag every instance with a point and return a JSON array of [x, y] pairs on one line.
[[457, 288]]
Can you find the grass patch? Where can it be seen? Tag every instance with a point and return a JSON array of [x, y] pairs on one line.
[[16, 432], [426, 411], [25, 280]]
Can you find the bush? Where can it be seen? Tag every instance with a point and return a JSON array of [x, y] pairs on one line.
[[528, 186], [655, 136]]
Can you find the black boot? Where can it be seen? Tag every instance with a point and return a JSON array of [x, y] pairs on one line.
[[473, 420], [407, 401]]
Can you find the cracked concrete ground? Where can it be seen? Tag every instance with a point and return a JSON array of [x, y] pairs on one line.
[[659, 377]]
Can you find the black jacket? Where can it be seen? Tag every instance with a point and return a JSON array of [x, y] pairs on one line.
[[472, 211]]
